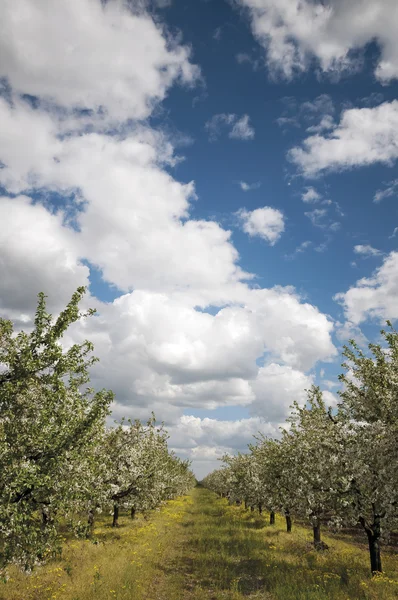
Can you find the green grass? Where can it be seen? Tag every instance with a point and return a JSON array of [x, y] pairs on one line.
[[198, 548]]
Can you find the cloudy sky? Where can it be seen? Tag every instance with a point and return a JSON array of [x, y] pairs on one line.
[[222, 175]]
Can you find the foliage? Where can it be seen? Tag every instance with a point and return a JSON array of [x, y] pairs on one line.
[[58, 462], [47, 423]]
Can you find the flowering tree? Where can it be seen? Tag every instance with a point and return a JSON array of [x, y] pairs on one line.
[[140, 472], [339, 466], [48, 421], [370, 405], [315, 443], [244, 483], [277, 465], [219, 481]]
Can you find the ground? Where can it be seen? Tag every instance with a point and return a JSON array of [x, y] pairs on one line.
[[200, 548]]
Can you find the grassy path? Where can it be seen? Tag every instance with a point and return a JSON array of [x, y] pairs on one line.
[[199, 548]]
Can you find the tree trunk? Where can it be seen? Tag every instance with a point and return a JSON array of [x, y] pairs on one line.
[[374, 552], [260, 508], [133, 512], [45, 517], [373, 532], [115, 515], [288, 522], [90, 518], [316, 527], [245, 504], [272, 518], [252, 508]]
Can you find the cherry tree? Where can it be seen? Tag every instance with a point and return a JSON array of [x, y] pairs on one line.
[[219, 481], [48, 421], [315, 445], [369, 402], [140, 472], [277, 464]]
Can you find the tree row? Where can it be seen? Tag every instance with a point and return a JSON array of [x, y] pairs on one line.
[[60, 465], [338, 466]]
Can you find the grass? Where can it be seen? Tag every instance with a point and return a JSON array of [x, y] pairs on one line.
[[199, 548]]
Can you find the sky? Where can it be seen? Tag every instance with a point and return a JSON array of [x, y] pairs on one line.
[[222, 176]]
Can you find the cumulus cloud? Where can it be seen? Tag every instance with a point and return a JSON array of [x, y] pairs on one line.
[[87, 54], [267, 223], [212, 432], [294, 33], [159, 348], [373, 297], [347, 331], [37, 254], [205, 441], [276, 388], [363, 137], [239, 128], [366, 250]]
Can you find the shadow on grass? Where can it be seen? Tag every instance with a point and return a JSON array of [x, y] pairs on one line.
[[228, 549]]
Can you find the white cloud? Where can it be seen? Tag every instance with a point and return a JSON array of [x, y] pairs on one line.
[[374, 297], [242, 130], [366, 251], [239, 128], [87, 54], [391, 189], [330, 384], [37, 254], [128, 241], [215, 125], [276, 388], [267, 223], [295, 32], [205, 441], [247, 187], [363, 137], [326, 123], [156, 348], [330, 399], [310, 196], [347, 331], [212, 432]]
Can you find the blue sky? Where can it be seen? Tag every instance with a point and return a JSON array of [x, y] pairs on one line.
[[216, 304]]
